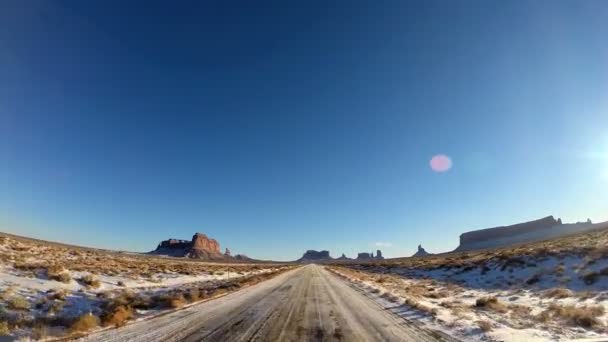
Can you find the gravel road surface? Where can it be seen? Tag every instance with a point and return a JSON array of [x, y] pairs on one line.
[[305, 304]]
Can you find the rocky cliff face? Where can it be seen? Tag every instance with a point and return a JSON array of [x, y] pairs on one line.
[[201, 247], [544, 228], [202, 242], [504, 231]]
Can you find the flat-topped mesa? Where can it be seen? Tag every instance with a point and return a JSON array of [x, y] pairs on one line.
[[370, 256], [174, 243], [201, 247], [541, 229], [506, 231], [312, 255], [202, 242]]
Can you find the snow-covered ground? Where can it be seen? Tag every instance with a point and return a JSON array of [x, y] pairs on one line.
[[516, 298], [46, 288]]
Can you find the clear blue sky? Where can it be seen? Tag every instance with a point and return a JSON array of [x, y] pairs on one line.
[[277, 128]]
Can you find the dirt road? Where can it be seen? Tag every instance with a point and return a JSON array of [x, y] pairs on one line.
[[306, 304]]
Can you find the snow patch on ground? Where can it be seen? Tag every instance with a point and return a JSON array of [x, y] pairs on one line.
[[445, 299]]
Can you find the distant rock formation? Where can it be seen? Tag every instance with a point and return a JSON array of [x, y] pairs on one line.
[[242, 257], [363, 256], [312, 255], [204, 248], [421, 252], [544, 228], [227, 252], [370, 256], [201, 247], [343, 257]]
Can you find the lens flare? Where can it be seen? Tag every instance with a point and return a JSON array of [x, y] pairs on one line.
[[441, 163]]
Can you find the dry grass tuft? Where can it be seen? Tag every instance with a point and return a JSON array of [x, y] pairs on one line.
[[176, 301], [84, 323], [590, 277], [4, 329], [390, 297], [193, 295], [491, 303], [90, 281], [40, 331], [484, 325], [117, 316], [18, 303], [558, 293], [58, 273], [582, 316]]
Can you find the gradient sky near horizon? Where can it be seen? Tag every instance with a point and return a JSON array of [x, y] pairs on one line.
[[277, 127]]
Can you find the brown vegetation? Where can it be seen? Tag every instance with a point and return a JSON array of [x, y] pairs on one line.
[[90, 281], [84, 323], [484, 325], [583, 316], [18, 303], [491, 303], [557, 293], [4, 329], [117, 316]]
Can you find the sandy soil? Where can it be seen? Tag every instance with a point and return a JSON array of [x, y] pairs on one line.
[[306, 304]]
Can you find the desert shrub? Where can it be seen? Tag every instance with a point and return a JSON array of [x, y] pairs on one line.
[[193, 295], [56, 307], [420, 307], [25, 266], [40, 331], [117, 316], [63, 277], [84, 323], [583, 316], [590, 277], [584, 295], [90, 281], [390, 297], [57, 295], [176, 301], [4, 329], [120, 283], [382, 279], [7, 293], [557, 292], [513, 262], [437, 294], [18, 303], [412, 302], [484, 325], [521, 311], [533, 279], [491, 303], [57, 273]]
